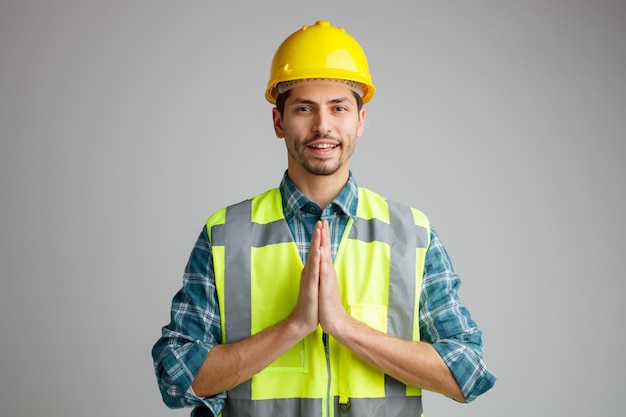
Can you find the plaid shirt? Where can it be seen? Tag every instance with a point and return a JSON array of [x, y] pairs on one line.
[[195, 323]]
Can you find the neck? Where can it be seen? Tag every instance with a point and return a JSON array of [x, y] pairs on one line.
[[320, 189]]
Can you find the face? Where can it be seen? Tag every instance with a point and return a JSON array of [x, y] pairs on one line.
[[320, 125]]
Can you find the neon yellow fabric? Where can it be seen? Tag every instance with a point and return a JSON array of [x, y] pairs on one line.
[[303, 371]]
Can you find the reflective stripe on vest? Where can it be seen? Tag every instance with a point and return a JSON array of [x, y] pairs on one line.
[[312, 407], [253, 249]]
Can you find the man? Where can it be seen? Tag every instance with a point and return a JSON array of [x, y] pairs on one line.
[[318, 298]]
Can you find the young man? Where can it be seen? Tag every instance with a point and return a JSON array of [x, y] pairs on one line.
[[318, 298]]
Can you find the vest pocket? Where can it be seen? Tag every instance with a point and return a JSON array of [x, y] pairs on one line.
[[295, 359], [375, 316]]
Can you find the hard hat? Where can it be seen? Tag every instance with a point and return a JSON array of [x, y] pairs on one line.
[[319, 51]]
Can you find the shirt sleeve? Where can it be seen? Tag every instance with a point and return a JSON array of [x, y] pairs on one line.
[[193, 330], [448, 326]]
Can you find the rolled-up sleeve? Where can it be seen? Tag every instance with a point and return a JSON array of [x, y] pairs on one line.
[[448, 326], [193, 330]]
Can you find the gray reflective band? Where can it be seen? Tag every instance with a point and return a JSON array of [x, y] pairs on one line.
[[237, 243], [388, 407], [374, 229], [217, 234], [311, 407], [262, 234], [237, 305], [370, 230], [285, 407], [402, 299], [270, 233], [402, 273]]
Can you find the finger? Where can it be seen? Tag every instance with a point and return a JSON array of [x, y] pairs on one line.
[[314, 258], [317, 233], [326, 258], [315, 242], [325, 237]]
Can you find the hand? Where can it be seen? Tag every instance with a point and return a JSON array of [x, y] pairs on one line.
[[306, 309], [331, 310]]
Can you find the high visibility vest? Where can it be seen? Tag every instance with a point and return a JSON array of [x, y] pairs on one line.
[[379, 265]]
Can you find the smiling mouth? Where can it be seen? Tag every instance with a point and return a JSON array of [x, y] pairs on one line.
[[323, 146]]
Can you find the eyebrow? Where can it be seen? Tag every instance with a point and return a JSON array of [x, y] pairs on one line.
[[311, 102]]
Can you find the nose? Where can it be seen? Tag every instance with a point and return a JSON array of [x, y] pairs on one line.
[[321, 123]]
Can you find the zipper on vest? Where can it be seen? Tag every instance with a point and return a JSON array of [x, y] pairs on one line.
[[329, 400]]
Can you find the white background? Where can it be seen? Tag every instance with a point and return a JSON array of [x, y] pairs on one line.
[[124, 124]]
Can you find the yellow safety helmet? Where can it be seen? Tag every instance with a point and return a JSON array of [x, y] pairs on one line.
[[320, 51]]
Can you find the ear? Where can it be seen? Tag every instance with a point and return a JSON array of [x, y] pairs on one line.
[[361, 125], [278, 123]]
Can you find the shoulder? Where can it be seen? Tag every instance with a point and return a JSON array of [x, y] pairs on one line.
[[371, 203], [269, 199]]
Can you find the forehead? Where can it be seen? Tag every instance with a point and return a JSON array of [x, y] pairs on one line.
[[321, 93]]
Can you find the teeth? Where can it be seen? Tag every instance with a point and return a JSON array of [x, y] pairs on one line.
[[323, 146]]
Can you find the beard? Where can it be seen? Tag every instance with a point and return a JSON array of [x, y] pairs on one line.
[[316, 166], [322, 168]]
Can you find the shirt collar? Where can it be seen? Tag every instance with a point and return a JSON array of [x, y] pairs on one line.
[[293, 200]]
